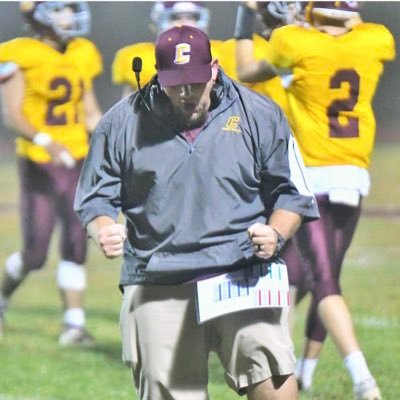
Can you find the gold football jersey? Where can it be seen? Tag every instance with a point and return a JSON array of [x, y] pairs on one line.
[[272, 88], [54, 87], [330, 97], [122, 65]]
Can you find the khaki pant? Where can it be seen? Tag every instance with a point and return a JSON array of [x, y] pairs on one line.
[[168, 351]]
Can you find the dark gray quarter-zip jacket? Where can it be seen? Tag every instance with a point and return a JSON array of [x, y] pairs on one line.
[[188, 206]]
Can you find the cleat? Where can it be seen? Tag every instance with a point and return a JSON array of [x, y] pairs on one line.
[[367, 390], [74, 336]]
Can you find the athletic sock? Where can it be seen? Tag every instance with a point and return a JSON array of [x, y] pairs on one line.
[[74, 317], [305, 371], [299, 368], [357, 366]]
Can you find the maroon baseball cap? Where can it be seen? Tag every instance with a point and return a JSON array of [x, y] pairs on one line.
[[183, 56]]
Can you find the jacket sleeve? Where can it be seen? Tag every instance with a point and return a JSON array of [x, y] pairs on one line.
[[99, 186], [283, 177]]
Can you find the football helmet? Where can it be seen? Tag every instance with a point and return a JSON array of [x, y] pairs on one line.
[[164, 13], [279, 13], [61, 20], [335, 10]]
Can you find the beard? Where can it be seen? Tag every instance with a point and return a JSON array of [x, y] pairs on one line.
[[195, 120]]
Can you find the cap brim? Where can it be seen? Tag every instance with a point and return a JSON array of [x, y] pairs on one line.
[[185, 76]]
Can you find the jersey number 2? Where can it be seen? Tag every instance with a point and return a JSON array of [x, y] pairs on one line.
[[337, 130], [53, 118]]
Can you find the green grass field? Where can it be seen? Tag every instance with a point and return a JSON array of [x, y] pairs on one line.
[[33, 367]]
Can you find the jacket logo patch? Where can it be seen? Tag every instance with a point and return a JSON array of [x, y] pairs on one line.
[[232, 125]]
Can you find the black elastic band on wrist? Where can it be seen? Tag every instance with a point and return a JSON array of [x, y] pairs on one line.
[[245, 20], [280, 242]]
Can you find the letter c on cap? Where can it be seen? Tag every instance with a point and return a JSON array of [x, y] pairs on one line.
[[182, 53]]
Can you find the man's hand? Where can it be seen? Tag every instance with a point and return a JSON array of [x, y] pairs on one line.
[[111, 240], [251, 4], [264, 239]]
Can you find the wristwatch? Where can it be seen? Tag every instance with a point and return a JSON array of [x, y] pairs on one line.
[[280, 242]]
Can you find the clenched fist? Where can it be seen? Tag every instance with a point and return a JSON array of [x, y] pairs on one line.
[[264, 240], [111, 239]]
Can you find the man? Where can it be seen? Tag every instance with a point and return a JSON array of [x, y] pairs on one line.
[[337, 63], [49, 102], [164, 15], [207, 176]]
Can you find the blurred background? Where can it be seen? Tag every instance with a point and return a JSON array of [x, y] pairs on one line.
[[117, 24]]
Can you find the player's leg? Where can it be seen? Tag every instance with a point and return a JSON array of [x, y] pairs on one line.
[[317, 246], [314, 243], [339, 223], [301, 282], [330, 238], [339, 229], [37, 217], [315, 335], [298, 277], [292, 258], [354, 361], [71, 272], [163, 344], [346, 221]]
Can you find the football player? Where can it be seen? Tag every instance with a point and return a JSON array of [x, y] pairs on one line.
[[337, 63], [164, 15], [49, 102], [244, 57]]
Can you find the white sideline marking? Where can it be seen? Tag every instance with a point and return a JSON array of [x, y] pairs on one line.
[[377, 322]]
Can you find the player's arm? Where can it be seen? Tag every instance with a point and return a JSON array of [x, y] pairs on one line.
[[92, 110], [12, 96], [7, 70], [248, 68]]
